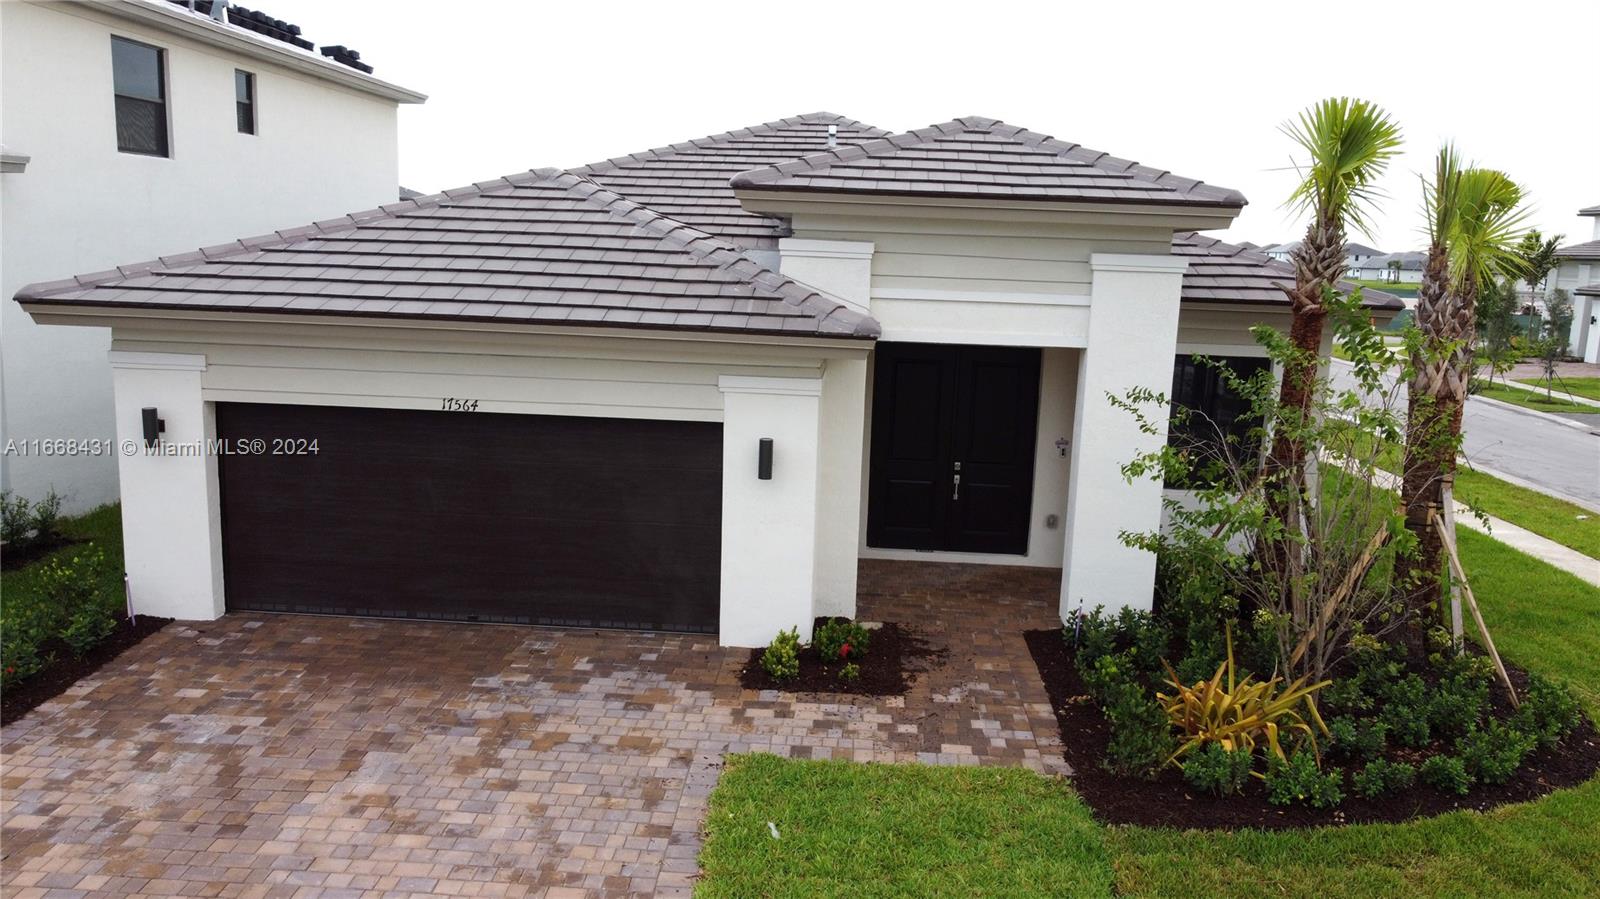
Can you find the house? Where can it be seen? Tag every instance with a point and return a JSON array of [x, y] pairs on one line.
[[682, 389], [139, 127], [1579, 275], [1356, 254], [1395, 268]]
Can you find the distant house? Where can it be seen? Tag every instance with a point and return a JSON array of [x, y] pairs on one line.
[[1579, 275], [1356, 254], [1394, 268]]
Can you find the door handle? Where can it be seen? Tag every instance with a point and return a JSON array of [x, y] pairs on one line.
[[955, 490]]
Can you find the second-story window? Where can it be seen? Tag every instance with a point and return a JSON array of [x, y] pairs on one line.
[[139, 82], [244, 100]]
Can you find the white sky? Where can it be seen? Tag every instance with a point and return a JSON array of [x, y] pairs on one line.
[[517, 85]]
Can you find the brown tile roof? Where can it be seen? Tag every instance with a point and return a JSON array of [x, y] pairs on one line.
[[1225, 273], [984, 158], [1589, 250], [542, 247], [689, 181]]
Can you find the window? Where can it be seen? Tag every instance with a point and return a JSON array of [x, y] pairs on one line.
[[244, 100], [1218, 422], [138, 76]]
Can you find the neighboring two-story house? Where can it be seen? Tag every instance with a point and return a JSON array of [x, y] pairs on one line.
[[1579, 275], [685, 389], [133, 128]]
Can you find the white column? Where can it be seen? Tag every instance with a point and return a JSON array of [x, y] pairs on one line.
[[844, 415], [769, 527], [1133, 335], [171, 521]]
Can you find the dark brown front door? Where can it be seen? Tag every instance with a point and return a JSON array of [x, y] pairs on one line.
[[474, 516], [952, 447]]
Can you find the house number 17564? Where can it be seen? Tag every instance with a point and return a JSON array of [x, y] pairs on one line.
[[457, 404]]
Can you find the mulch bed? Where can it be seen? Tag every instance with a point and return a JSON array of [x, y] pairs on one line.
[[11, 559], [1168, 801], [54, 679], [895, 654]]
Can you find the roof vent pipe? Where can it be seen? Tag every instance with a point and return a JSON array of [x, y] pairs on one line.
[[833, 135]]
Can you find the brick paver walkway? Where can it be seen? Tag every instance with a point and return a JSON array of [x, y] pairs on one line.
[[299, 756]]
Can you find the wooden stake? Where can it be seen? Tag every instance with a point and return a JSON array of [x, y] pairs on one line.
[[1472, 603], [1457, 629], [1352, 578]]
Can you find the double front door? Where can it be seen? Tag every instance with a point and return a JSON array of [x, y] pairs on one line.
[[953, 445]]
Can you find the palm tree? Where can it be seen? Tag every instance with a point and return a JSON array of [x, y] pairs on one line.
[[1539, 260], [1348, 144], [1474, 222]]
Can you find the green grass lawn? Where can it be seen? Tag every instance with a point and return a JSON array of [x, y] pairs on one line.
[[1530, 400], [1584, 387], [907, 830], [1556, 519]]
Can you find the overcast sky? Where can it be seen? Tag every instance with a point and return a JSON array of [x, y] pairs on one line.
[[518, 85]]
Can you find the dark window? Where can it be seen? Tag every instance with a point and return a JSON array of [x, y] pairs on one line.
[[1218, 421], [244, 100], [138, 76]]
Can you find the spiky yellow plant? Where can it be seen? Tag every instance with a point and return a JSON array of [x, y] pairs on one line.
[[1241, 714]]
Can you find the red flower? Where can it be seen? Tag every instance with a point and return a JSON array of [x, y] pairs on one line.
[[844, 651]]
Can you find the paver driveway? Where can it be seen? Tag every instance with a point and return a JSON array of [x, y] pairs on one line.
[[299, 756]]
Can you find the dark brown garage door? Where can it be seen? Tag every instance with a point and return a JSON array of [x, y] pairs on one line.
[[587, 522]]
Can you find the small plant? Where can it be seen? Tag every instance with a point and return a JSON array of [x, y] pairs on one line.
[[1240, 714], [850, 671], [1136, 635], [1456, 705], [1358, 740], [782, 656], [87, 626], [1405, 711], [1218, 771], [1141, 736], [46, 517], [1493, 753], [23, 524], [1298, 779], [1381, 777], [69, 585], [1447, 774], [1548, 711], [840, 639]]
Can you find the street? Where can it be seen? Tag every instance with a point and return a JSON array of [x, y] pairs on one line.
[[1536, 448]]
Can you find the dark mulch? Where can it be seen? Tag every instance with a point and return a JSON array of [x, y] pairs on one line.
[[52, 680], [11, 559], [1168, 801], [894, 655]]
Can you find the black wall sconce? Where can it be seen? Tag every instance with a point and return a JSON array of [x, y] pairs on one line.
[[764, 460], [153, 426]]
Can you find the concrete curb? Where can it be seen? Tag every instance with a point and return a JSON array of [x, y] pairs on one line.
[[1529, 485], [1535, 413]]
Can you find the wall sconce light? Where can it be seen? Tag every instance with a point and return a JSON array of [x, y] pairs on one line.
[[153, 426], [764, 460]]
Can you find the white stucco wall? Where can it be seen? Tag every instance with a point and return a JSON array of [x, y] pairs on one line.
[[80, 206]]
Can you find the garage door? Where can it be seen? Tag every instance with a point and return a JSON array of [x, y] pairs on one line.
[[472, 516]]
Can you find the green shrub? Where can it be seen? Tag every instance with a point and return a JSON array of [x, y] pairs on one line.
[[89, 625], [1494, 752], [1107, 674], [1300, 780], [1456, 705], [69, 585], [850, 671], [1447, 774], [1381, 777], [1141, 736], [47, 517], [1358, 740], [1405, 711], [840, 638], [19, 655], [1136, 635], [1548, 711], [23, 524], [1218, 771], [782, 657]]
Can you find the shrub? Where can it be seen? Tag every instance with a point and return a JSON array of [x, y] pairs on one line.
[[1240, 714], [782, 656], [1298, 779], [1107, 674], [46, 517], [1493, 753], [1141, 737], [1548, 711], [19, 655], [1381, 777], [1358, 740], [1446, 774], [1218, 771], [1456, 705], [840, 638], [69, 585], [850, 671], [87, 626], [1137, 635], [16, 520], [1405, 711]]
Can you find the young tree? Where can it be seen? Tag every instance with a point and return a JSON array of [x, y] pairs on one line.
[[1538, 261], [1551, 347], [1474, 221], [1497, 327], [1348, 144]]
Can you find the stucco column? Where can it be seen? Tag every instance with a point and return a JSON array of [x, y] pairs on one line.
[[769, 527], [1133, 335], [843, 443], [171, 521]]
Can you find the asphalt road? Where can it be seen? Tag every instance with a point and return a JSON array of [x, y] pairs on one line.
[[1544, 452]]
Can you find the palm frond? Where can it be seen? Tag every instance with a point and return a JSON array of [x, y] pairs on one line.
[[1348, 144], [1489, 222]]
